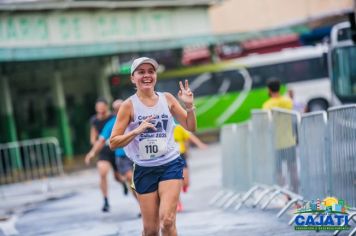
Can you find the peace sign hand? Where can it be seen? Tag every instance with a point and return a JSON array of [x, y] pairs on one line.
[[185, 94]]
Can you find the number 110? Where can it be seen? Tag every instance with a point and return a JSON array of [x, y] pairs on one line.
[[151, 148]]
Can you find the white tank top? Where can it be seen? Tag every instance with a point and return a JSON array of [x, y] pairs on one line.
[[152, 147]]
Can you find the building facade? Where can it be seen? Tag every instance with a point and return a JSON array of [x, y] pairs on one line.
[[233, 16], [56, 58]]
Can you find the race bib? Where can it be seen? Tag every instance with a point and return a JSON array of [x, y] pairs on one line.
[[151, 148]]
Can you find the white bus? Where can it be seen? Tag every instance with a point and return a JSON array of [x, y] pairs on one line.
[[303, 70], [227, 91]]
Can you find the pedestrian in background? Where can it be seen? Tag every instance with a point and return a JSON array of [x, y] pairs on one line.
[[123, 164], [106, 156], [285, 141], [276, 100], [144, 127]]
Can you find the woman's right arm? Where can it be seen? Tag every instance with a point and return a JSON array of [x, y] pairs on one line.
[[118, 136]]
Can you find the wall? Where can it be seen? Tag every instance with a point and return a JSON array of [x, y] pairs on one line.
[[233, 16]]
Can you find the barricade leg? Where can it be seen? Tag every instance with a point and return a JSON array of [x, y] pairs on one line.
[[225, 198], [232, 200], [353, 232], [292, 220], [351, 217], [262, 195], [217, 197], [290, 203], [275, 194], [247, 196]]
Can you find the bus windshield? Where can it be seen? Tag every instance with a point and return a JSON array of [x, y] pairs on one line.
[[344, 71]]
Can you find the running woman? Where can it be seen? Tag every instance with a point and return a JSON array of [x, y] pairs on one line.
[[144, 127]]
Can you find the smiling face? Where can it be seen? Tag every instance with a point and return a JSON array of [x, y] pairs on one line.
[[144, 77]]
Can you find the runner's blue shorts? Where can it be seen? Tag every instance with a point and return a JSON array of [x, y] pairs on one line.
[[146, 179]]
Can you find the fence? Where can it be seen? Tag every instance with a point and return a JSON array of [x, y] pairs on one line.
[[29, 159], [285, 126], [311, 157], [314, 153], [261, 148], [342, 133]]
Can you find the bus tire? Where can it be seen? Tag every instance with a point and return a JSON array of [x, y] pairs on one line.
[[318, 104]]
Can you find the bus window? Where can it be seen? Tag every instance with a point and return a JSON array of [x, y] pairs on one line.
[[302, 70], [261, 74], [308, 69], [344, 71]]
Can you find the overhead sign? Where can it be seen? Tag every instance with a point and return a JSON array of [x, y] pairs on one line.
[[36, 29]]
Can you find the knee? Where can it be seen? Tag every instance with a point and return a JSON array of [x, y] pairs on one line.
[[103, 176], [150, 231], [167, 222], [128, 176], [117, 178]]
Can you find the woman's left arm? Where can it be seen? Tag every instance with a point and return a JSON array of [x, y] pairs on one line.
[[186, 117]]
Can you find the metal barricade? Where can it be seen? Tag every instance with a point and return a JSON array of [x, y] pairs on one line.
[[262, 156], [342, 130], [314, 156], [227, 137], [285, 125], [30, 159], [236, 159]]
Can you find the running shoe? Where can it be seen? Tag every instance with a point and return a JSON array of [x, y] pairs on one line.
[[126, 190], [106, 207]]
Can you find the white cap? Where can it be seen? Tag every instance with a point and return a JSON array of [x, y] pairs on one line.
[[142, 60]]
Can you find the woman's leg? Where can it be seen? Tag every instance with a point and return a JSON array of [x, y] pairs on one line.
[[149, 205], [186, 179], [168, 191], [119, 177], [103, 168], [128, 179]]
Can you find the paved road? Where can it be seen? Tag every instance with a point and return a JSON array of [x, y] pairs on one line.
[[72, 207]]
